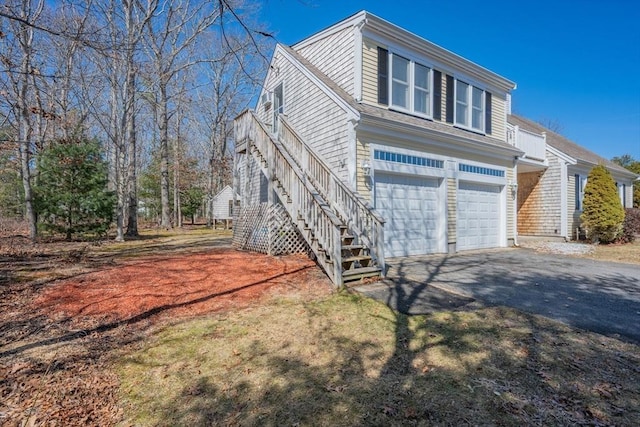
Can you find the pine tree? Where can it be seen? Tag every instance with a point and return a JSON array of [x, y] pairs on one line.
[[71, 193], [603, 214]]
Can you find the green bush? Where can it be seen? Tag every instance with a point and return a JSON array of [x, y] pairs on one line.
[[71, 195], [602, 215]]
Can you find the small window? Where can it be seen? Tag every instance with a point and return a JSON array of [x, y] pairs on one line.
[[278, 105], [230, 207]]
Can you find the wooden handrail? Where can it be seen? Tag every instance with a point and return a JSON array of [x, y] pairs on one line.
[[357, 213], [304, 201]]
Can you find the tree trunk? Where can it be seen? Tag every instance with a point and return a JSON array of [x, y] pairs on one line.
[[163, 124], [132, 186], [25, 129]]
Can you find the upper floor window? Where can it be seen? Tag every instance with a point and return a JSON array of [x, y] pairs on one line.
[[469, 106], [409, 83], [400, 82]]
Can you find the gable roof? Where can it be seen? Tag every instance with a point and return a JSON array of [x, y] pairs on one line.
[[390, 31], [226, 189], [567, 146], [406, 119]]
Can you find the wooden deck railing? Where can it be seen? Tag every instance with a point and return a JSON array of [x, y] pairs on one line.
[[298, 195], [357, 214]]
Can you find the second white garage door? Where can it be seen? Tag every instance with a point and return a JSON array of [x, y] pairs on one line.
[[410, 205], [478, 216]]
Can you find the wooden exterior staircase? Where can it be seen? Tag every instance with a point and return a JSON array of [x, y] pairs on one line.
[[340, 227]]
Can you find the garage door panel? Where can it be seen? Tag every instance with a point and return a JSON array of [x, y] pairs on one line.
[[410, 207], [478, 216]]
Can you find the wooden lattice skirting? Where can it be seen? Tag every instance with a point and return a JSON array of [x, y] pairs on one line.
[[267, 229]]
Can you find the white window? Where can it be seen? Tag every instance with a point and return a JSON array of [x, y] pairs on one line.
[[462, 103], [278, 105], [400, 82], [470, 106], [421, 90], [477, 109], [410, 86]]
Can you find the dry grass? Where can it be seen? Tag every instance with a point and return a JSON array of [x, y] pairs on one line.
[[347, 360], [628, 253]]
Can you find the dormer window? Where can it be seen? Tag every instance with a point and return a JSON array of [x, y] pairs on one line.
[[409, 85], [400, 82], [470, 106]]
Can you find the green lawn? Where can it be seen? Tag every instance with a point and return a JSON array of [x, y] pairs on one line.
[[347, 360]]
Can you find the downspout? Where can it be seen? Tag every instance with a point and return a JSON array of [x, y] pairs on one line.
[[515, 204]]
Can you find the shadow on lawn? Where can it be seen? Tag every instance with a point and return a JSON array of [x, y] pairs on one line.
[[498, 367]]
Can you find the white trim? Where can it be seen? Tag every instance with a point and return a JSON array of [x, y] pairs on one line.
[[354, 20], [376, 127], [351, 112], [564, 199], [358, 61], [570, 160]]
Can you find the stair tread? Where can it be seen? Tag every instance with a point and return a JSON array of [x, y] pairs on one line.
[[352, 247], [355, 258], [361, 270]]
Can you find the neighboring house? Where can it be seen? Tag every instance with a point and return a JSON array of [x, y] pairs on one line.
[[552, 175], [379, 143], [223, 205]]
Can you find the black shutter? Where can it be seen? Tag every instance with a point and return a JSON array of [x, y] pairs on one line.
[[450, 89], [487, 113], [437, 95], [577, 191], [383, 76]]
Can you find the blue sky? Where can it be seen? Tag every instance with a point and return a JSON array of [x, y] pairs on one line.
[[576, 62]]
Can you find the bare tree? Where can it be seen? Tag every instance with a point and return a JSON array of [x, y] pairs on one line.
[[168, 40], [229, 89], [20, 83]]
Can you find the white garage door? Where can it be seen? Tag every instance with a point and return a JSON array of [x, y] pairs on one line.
[[478, 216], [412, 213]]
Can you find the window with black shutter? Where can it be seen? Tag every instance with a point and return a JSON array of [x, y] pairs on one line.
[[449, 100], [383, 76], [437, 95]]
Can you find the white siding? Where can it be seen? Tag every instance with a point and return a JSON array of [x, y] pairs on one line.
[[314, 115], [221, 203], [334, 55]]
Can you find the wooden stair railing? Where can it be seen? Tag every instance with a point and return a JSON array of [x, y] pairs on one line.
[[356, 213], [321, 222]]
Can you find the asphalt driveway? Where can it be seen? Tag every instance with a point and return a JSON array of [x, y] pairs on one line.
[[598, 296]]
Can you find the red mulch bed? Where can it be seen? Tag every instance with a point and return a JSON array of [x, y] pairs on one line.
[[58, 340], [179, 286]]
